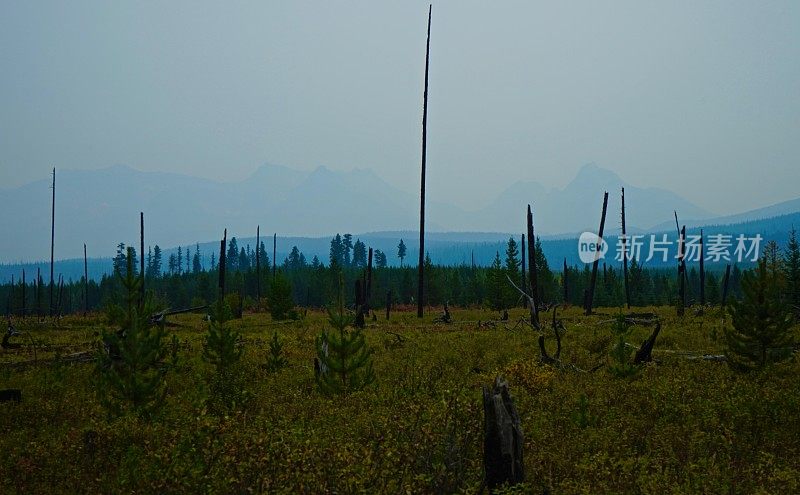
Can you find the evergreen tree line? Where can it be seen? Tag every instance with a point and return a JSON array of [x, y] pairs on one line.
[[189, 281]]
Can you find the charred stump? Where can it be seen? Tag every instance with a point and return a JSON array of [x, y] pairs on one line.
[[645, 352], [502, 438]]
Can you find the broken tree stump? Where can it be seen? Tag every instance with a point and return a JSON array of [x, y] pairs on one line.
[[502, 438], [645, 352]]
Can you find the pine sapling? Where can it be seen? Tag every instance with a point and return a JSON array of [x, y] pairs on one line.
[[276, 360], [130, 363], [226, 383], [344, 362], [761, 322], [621, 365]]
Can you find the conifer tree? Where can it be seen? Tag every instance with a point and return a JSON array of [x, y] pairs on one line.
[[276, 360], [359, 254], [791, 270], [344, 361], [232, 256], [226, 383], [347, 244], [495, 285], [337, 251], [130, 365], [380, 259], [548, 287], [156, 265], [401, 251], [196, 266], [621, 365], [512, 259], [280, 297], [761, 331]]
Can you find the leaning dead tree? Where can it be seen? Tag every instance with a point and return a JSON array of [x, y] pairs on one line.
[[531, 303], [645, 352], [590, 292], [533, 300], [544, 356], [725, 282], [625, 254], [502, 438], [421, 266]]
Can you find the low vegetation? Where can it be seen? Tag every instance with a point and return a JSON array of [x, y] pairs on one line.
[[679, 424]]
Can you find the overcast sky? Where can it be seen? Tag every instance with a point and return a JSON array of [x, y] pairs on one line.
[[699, 97]]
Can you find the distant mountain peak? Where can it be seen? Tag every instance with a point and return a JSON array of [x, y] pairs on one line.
[[593, 173]]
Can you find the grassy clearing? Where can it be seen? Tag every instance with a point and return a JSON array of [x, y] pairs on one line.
[[678, 426]]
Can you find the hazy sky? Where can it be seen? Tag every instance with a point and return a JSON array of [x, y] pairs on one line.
[[699, 97]]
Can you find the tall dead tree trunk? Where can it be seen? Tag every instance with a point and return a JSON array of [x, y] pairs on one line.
[[52, 241], [85, 282], [141, 258], [368, 298], [625, 254], [702, 272], [258, 265], [725, 282], [524, 283], [10, 300], [534, 284], [38, 294], [274, 254], [421, 266], [60, 294], [590, 293], [681, 264], [681, 271], [565, 283], [360, 290], [222, 245], [24, 287]]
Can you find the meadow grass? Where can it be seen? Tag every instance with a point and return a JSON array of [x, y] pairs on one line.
[[680, 425]]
